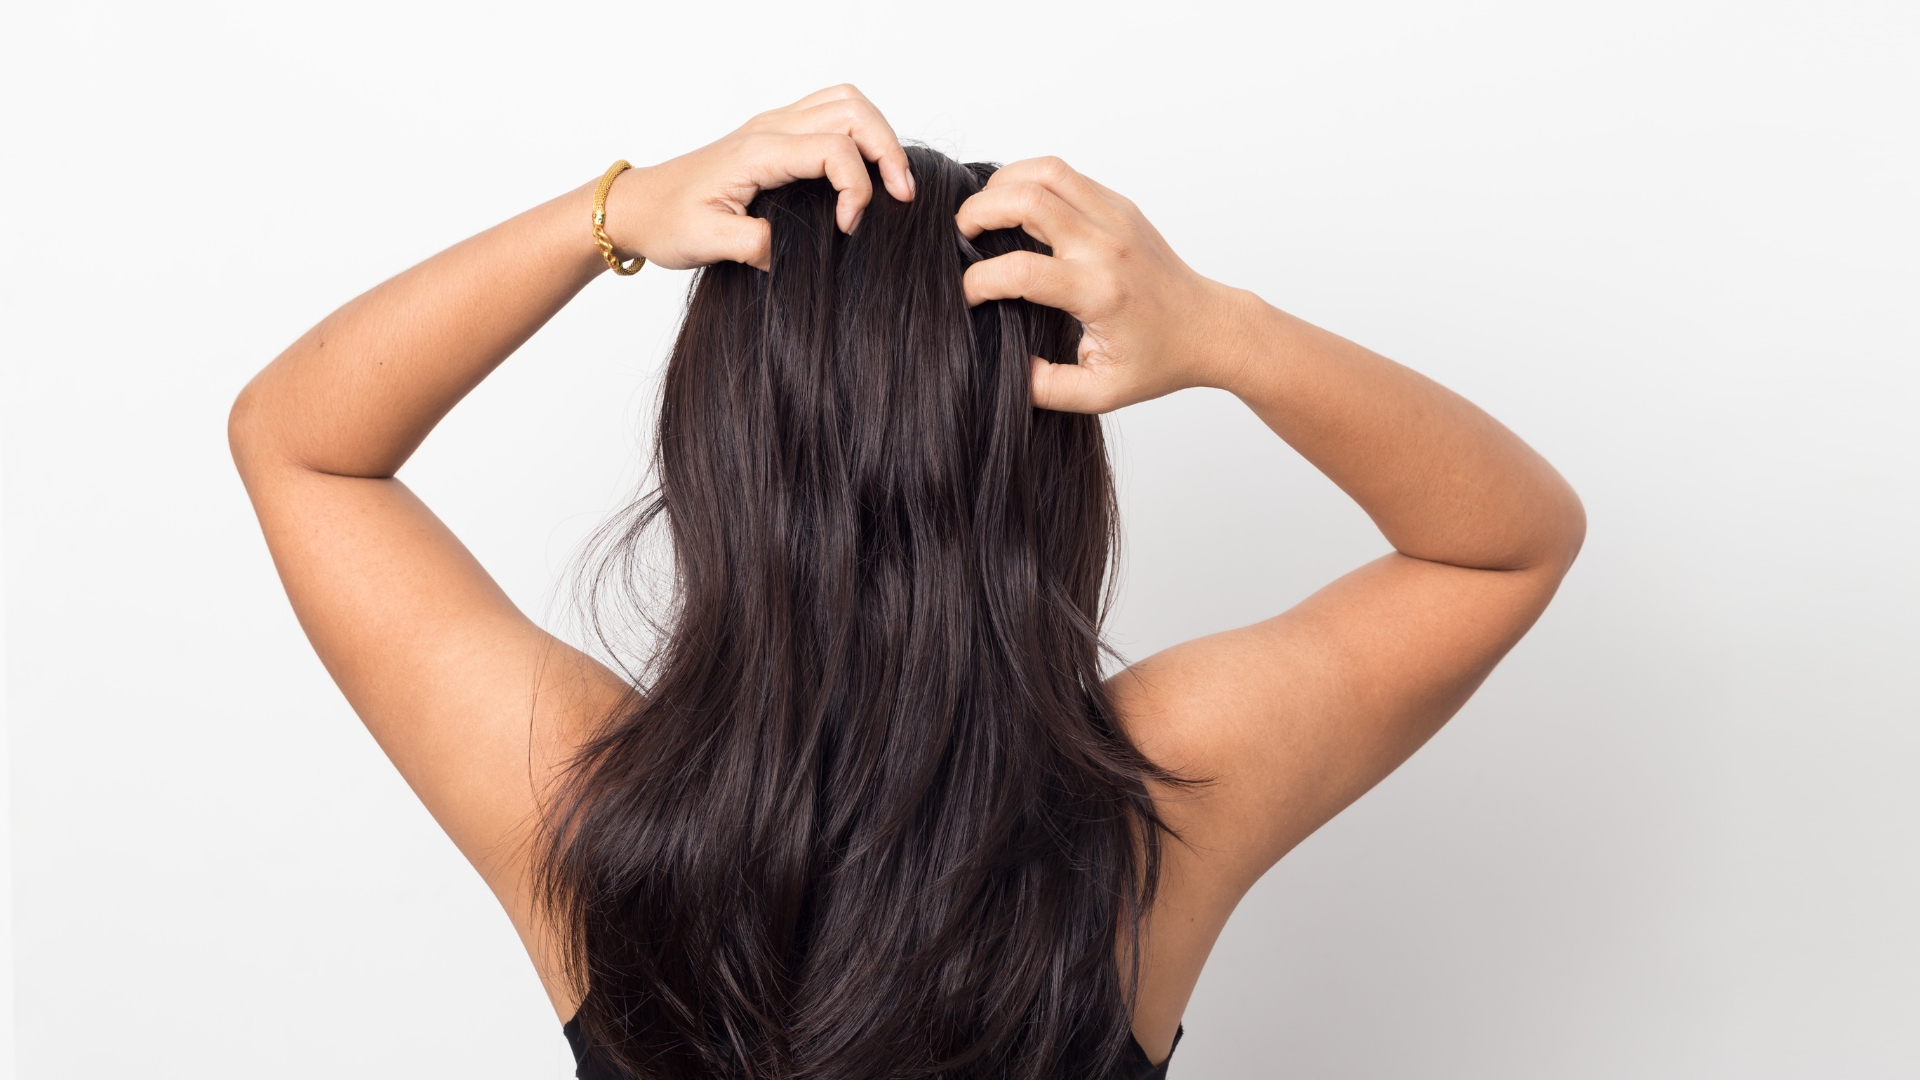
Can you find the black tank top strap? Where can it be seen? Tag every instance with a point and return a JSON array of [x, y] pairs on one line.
[[587, 1064], [1134, 1064]]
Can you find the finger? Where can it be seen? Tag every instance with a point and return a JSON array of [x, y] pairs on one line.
[[1045, 216], [783, 159], [1070, 388], [1056, 176], [1026, 275], [856, 118], [744, 239], [831, 93]]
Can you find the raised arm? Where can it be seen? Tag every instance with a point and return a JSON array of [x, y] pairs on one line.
[[473, 703], [1297, 716]]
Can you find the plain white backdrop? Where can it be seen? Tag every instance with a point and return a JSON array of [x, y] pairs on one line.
[[1673, 245]]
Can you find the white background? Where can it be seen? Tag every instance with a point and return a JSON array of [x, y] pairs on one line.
[[1673, 245]]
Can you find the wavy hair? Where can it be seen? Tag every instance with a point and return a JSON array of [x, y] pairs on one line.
[[869, 814]]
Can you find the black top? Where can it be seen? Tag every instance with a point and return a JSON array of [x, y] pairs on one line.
[[1133, 1062]]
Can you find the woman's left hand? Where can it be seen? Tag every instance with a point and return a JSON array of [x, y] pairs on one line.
[[1151, 324], [692, 210]]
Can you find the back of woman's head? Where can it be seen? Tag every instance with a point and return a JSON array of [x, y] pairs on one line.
[[870, 814]]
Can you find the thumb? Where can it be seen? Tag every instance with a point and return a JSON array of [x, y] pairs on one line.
[[1068, 388], [740, 238]]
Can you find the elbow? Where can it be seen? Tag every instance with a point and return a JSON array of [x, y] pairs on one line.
[[1565, 530], [246, 422], [1576, 526], [240, 422], [1548, 530]]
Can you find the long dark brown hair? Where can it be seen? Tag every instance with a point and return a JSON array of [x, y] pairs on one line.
[[869, 814]]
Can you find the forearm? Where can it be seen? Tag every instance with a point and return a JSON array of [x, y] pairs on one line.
[[359, 392], [1443, 480]]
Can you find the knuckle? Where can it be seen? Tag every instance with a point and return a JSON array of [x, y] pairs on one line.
[[1025, 270], [1017, 273], [1054, 168]]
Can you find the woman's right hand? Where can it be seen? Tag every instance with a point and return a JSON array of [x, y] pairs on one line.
[[1152, 325], [692, 210]]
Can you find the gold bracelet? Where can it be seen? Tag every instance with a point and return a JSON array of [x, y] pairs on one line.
[[600, 239]]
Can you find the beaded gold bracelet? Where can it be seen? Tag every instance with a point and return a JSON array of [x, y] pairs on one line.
[[600, 239]]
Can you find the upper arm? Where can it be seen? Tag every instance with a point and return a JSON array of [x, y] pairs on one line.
[[475, 705]]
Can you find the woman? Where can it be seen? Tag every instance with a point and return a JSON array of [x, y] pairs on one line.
[[872, 812]]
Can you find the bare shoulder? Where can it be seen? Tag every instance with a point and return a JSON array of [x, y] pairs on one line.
[[1288, 721], [479, 708], [1291, 719]]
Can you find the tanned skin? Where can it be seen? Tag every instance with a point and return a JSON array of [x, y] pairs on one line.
[[1293, 718]]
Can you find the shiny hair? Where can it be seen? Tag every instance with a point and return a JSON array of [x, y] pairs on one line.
[[869, 814]]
